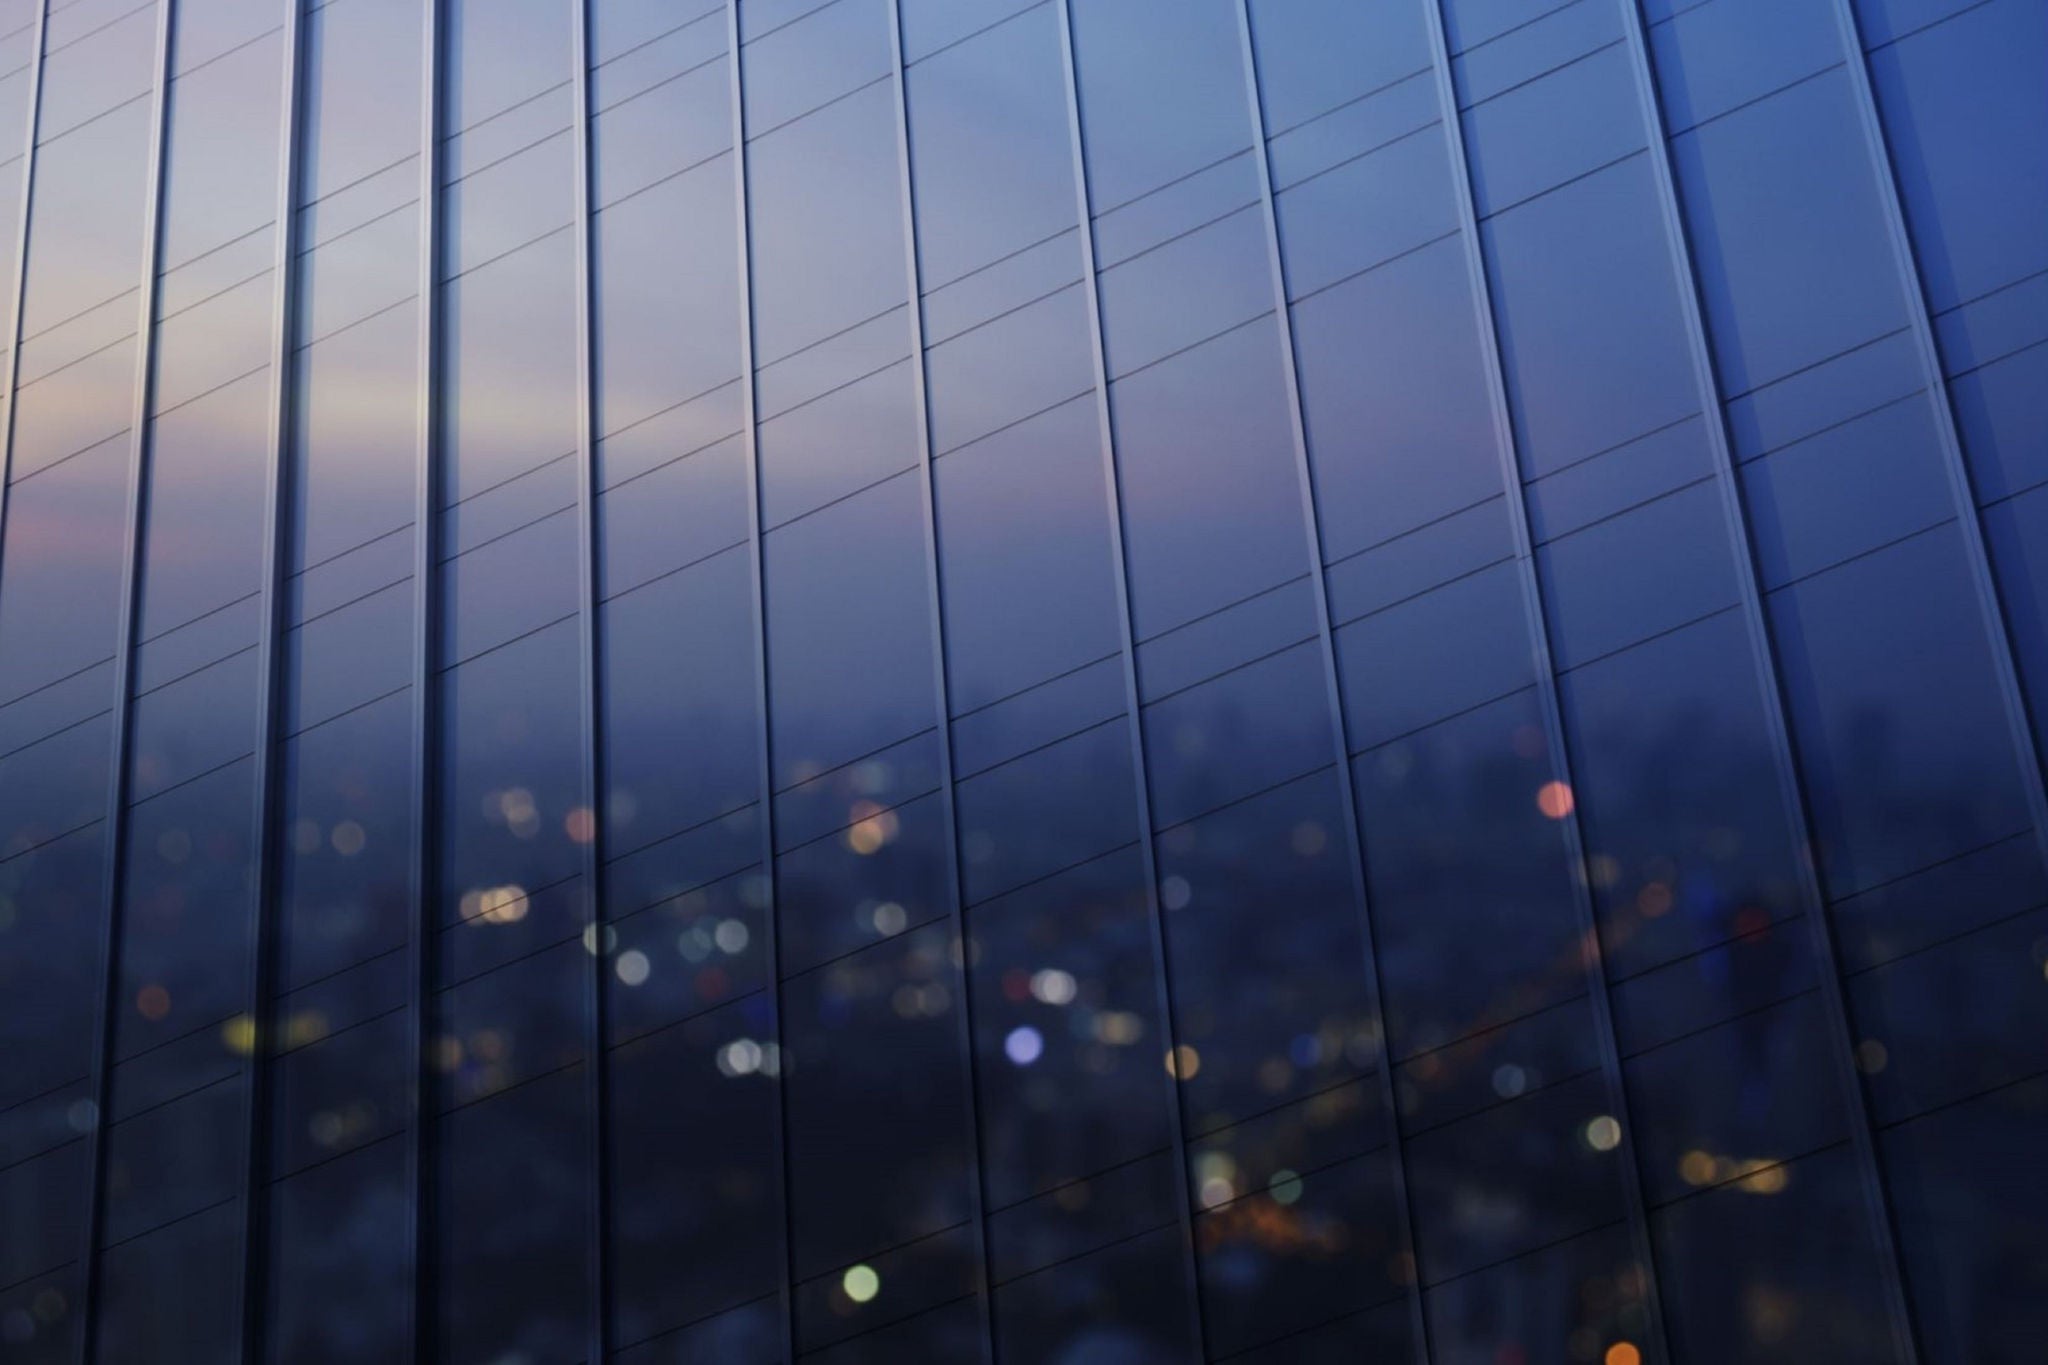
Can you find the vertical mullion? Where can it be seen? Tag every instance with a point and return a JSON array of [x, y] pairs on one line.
[[1113, 493], [597, 1264], [425, 733], [1545, 674], [928, 492], [19, 285], [1912, 282], [1347, 792], [765, 754], [272, 629], [1763, 654], [115, 824]]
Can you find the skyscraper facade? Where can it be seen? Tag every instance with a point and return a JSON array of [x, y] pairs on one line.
[[1069, 681]]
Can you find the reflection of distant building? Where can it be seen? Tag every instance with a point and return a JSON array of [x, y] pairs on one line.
[[1037, 680]]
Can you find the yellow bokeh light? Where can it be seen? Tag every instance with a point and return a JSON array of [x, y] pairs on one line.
[[1622, 1353], [494, 905], [1762, 1179], [872, 827], [239, 1035], [1119, 1028], [861, 1283]]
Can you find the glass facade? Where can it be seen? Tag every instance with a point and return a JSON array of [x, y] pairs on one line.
[[1063, 681]]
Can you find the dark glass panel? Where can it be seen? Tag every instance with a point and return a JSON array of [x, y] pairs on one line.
[[697, 1200], [1115, 1304], [878, 1156]]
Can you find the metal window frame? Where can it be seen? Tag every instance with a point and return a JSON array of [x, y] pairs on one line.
[[1354, 831], [115, 823], [1599, 993], [273, 629], [1769, 675], [19, 286], [597, 1098], [1955, 464], [758, 583], [963, 941], [423, 963], [1105, 416]]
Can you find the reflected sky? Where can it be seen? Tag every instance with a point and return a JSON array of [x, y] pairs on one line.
[[1046, 680]]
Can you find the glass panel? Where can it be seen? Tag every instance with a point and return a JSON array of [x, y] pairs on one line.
[[510, 1021], [1419, 339]]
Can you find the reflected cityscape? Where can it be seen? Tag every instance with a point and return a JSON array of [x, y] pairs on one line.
[[1054, 682]]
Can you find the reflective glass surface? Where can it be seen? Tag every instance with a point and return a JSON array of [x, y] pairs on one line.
[[1062, 681]]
